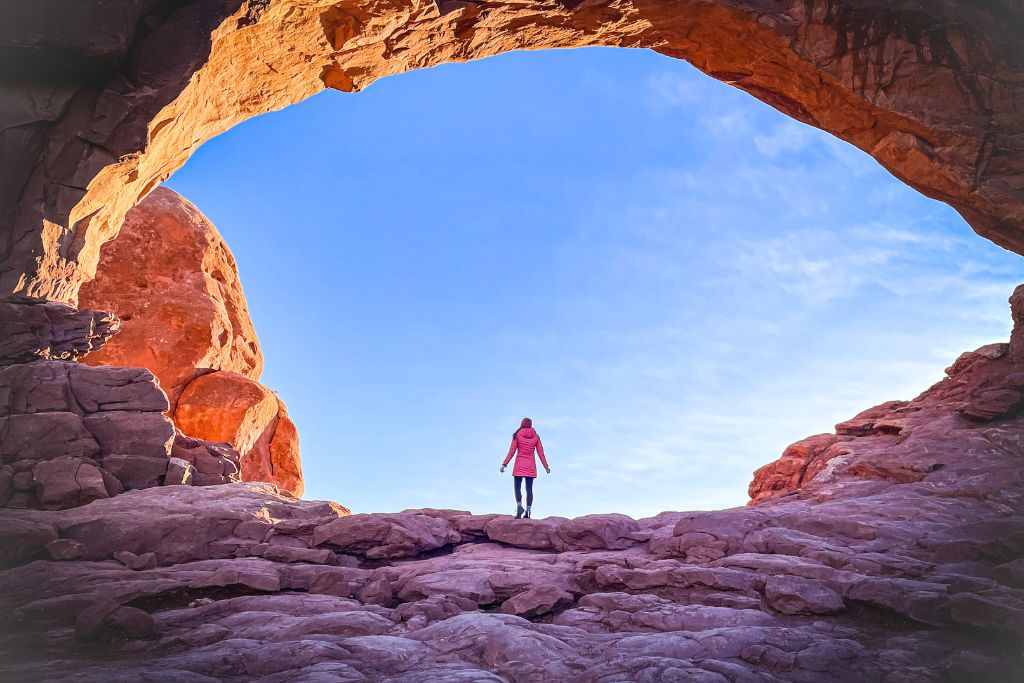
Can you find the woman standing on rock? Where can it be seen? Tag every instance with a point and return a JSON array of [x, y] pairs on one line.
[[525, 440]]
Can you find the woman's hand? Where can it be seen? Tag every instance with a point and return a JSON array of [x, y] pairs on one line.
[[502, 469], [548, 470]]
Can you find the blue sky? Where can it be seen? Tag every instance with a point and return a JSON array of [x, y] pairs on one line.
[[673, 279]]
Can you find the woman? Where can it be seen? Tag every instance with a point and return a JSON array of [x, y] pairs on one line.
[[525, 440]]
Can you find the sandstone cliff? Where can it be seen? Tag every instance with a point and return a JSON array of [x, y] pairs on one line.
[[173, 283]]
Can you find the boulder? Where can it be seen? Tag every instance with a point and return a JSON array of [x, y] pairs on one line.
[[65, 549], [23, 540], [596, 532], [68, 482], [145, 434], [40, 436], [386, 536], [178, 472], [107, 620], [988, 404], [136, 471], [136, 562], [186, 312], [535, 534], [796, 595], [537, 601], [195, 336], [228, 407]]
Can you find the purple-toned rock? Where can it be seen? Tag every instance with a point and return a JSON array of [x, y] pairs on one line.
[[22, 540], [596, 532], [34, 330], [6, 483], [41, 436], [107, 620], [136, 562], [386, 536], [537, 601], [67, 482], [990, 609], [147, 434], [534, 534], [179, 472], [708, 536], [108, 388], [796, 595], [331, 582], [136, 471], [65, 549], [1011, 573]]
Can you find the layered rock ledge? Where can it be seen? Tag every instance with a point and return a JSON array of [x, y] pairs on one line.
[[896, 554]]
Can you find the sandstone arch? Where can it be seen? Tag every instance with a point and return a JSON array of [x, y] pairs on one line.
[[101, 105]]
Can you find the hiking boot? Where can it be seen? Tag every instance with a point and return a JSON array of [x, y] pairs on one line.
[[519, 511], [527, 515]]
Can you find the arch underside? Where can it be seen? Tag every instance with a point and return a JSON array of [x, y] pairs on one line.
[[100, 109]]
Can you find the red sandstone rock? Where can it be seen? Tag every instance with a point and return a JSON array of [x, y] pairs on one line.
[[227, 407], [186, 316], [186, 312], [907, 441]]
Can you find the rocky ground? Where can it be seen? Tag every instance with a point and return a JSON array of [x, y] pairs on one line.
[[890, 551]]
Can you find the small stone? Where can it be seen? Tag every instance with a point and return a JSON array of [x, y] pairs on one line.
[[178, 472], [65, 549], [136, 562]]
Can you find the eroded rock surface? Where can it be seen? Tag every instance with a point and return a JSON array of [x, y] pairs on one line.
[[899, 559], [184, 317], [71, 434], [907, 441], [32, 330]]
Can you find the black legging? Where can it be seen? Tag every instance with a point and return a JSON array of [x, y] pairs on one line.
[[529, 490]]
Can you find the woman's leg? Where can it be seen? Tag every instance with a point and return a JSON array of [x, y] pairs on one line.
[[519, 496], [529, 492]]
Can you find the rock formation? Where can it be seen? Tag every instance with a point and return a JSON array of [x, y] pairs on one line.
[[184, 317], [174, 284], [108, 103], [71, 434], [892, 550]]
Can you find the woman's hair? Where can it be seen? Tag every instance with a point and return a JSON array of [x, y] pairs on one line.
[[527, 422]]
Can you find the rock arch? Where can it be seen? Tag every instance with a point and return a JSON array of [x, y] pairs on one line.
[[101, 105]]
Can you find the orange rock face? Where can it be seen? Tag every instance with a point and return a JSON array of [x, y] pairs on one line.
[[226, 406], [184, 317], [173, 282], [931, 90]]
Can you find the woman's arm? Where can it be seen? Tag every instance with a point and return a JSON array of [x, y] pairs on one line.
[[511, 450], [540, 452]]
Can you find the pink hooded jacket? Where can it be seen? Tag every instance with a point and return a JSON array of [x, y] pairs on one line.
[[526, 441]]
